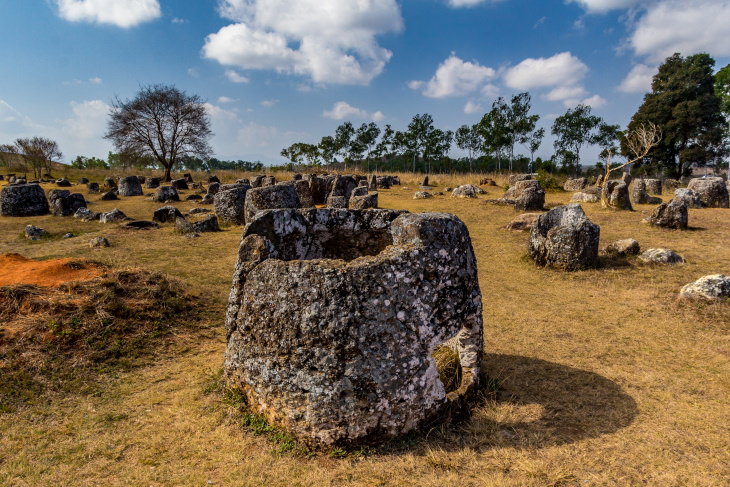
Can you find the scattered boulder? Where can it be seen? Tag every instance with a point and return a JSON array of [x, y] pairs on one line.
[[109, 195], [373, 183], [616, 193], [565, 238], [63, 183], [140, 225], [83, 180], [670, 215], [113, 216], [622, 248], [152, 183], [214, 187], [208, 199], [318, 190], [626, 178], [93, 187], [529, 196], [23, 200], [466, 191], [268, 181], [67, 235], [422, 195], [188, 177], [359, 191], [671, 185], [424, 182], [577, 184], [34, 233], [85, 214], [339, 195], [64, 203], [163, 194], [487, 182], [653, 186], [130, 186], [207, 224], [384, 182], [523, 222], [712, 191], [327, 318], [109, 183], [661, 256], [180, 184], [714, 286], [364, 202], [512, 179], [98, 242], [304, 193], [638, 192], [229, 204], [268, 198], [193, 197], [196, 211], [585, 197], [256, 182], [166, 214]]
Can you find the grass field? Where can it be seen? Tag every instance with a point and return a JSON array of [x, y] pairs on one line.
[[605, 378]]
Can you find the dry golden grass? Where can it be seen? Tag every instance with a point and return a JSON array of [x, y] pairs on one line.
[[605, 378]]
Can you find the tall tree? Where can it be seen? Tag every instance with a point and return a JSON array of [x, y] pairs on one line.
[[413, 141], [366, 136], [163, 122], [519, 124], [492, 129], [39, 152], [534, 140], [438, 144], [328, 148], [572, 131], [468, 139], [685, 108], [385, 146], [343, 140]]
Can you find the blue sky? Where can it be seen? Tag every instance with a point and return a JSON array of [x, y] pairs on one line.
[[275, 72]]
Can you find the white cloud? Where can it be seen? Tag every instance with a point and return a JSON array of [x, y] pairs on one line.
[[269, 103], [684, 26], [472, 107], [226, 99], [234, 77], [342, 110], [638, 80], [96, 80], [595, 101], [193, 73], [562, 93], [329, 41], [121, 13], [454, 77], [560, 69], [464, 3], [88, 120], [176, 20], [601, 6]]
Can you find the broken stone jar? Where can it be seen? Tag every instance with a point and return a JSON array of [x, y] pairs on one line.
[[334, 315]]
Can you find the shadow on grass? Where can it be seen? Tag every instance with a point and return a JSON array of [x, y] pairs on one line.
[[538, 404]]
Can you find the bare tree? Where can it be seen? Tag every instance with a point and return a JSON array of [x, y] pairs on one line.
[[39, 152], [637, 142], [162, 122]]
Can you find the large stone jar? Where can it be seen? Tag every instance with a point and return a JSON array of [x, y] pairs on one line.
[[334, 314]]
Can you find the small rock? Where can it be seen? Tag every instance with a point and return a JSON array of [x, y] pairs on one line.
[[68, 235], [181, 183], [130, 186], [422, 195], [661, 256], [714, 286], [622, 248], [112, 216], [86, 214], [34, 233], [63, 183], [523, 222], [93, 187], [140, 225], [196, 211], [166, 214], [98, 242], [576, 184], [585, 197], [109, 195], [164, 194], [670, 215]]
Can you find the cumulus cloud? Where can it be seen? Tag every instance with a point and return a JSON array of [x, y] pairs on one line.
[[561, 69], [269, 103], [120, 13], [465, 3], [602, 6], [472, 107], [454, 77], [595, 101], [638, 80], [342, 110], [565, 93], [226, 99], [329, 41], [88, 120], [234, 77], [684, 26]]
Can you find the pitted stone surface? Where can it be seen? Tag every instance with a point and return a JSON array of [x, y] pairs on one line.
[[23, 200], [714, 286], [152, 183], [163, 194], [65, 203], [130, 186], [270, 197], [527, 194], [690, 197], [653, 186], [181, 183], [564, 237], [229, 203], [585, 197], [166, 214], [617, 195], [712, 191], [364, 202], [333, 316], [661, 256], [670, 215], [113, 216], [624, 247], [577, 184]]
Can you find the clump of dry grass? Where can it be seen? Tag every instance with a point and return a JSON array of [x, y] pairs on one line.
[[58, 338], [448, 367]]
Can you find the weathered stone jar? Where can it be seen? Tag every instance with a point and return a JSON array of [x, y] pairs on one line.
[[334, 314]]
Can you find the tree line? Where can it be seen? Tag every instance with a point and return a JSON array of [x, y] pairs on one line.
[[688, 110]]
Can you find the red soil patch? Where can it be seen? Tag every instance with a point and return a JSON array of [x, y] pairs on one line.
[[16, 269]]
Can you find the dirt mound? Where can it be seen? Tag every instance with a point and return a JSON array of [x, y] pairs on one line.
[[16, 269], [60, 339]]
